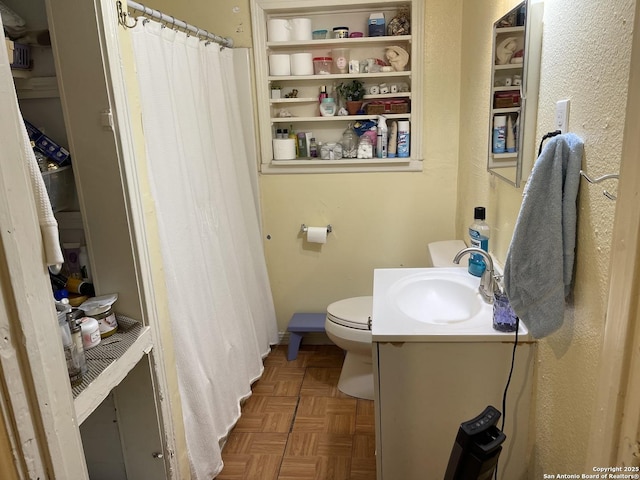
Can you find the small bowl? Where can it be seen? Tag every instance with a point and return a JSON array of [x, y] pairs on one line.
[[319, 34]]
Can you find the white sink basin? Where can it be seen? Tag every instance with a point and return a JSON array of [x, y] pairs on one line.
[[436, 296], [431, 304]]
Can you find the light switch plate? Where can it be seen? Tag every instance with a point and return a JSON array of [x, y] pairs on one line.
[[562, 115]]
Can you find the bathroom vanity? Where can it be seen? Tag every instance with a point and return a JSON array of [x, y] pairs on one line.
[[437, 363]]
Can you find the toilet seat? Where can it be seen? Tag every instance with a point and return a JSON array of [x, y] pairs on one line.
[[351, 312]]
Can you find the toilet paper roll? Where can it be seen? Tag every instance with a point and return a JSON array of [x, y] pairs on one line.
[[279, 64], [301, 29], [317, 234], [302, 64], [284, 149], [279, 30]]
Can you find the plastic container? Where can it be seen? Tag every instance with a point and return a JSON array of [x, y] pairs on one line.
[[499, 134], [319, 34], [479, 238], [60, 187], [356, 35], [340, 32], [340, 60], [328, 107], [322, 65], [90, 332]]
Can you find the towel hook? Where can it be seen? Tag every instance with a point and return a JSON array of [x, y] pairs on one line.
[[609, 176]]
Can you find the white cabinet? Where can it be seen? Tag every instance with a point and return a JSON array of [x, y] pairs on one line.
[[515, 76], [425, 390], [302, 112]]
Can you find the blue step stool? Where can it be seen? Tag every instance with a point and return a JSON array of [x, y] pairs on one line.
[[300, 324]]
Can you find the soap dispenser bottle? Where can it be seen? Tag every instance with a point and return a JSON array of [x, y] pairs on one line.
[[479, 238]]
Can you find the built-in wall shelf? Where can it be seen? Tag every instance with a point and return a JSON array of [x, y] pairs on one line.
[[109, 363], [363, 52]]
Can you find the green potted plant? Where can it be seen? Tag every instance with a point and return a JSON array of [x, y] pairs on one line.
[[352, 92]]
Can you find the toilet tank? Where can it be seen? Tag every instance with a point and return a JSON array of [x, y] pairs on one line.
[[440, 254]]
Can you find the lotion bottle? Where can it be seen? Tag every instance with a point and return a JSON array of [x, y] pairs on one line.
[[479, 238]]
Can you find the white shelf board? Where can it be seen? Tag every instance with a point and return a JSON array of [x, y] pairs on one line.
[[37, 87], [337, 118], [339, 76], [500, 30], [109, 363], [342, 166], [509, 66], [340, 42], [275, 101], [507, 110]]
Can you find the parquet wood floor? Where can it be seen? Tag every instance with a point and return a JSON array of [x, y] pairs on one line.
[[297, 425]]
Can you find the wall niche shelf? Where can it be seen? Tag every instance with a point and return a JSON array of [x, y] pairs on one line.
[[303, 110]]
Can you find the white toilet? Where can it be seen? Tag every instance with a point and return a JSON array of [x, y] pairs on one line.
[[348, 325]]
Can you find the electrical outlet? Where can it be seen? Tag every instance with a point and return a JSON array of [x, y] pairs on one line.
[[562, 115]]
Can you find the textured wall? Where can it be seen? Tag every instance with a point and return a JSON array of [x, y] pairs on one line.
[[585, 57]]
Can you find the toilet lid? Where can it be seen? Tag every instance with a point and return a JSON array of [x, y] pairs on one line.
[[351, 312]]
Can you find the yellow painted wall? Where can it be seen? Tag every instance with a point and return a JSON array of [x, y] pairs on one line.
[[585, 58], [379, 219]]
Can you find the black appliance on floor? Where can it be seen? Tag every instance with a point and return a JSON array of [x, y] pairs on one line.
[[477, 447]]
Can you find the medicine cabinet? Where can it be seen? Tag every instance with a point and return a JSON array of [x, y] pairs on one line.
[[515, 74], [301, 112]]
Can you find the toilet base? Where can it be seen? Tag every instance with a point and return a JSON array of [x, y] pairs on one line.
[[356, 378]]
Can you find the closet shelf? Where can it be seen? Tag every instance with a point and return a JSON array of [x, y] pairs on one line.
[[37, 87], [109, 363]]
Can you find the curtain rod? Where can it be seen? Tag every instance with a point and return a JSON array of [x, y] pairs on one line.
[[169, 20]]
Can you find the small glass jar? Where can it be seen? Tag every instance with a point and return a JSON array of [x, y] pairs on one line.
[[349, 143], [365, 147], [504, 318], [106, 319], [331, 151], [340, 32]]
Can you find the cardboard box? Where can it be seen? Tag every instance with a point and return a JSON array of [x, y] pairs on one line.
[[376, 25], [51, 149]]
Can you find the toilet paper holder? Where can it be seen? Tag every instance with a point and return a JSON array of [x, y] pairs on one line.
[[304, 228]]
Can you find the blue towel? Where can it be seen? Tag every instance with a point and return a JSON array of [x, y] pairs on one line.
[[539, 266]]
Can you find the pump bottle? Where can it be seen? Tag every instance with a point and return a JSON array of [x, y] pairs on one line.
[[478, 237]]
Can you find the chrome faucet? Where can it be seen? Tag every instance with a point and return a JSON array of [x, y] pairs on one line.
[[488, 284]]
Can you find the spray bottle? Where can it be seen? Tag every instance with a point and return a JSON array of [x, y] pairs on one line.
[[382, 132]]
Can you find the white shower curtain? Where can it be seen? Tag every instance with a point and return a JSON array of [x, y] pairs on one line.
[[221, 308]]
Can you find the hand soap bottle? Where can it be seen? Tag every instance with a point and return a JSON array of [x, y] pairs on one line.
[[479, 238]]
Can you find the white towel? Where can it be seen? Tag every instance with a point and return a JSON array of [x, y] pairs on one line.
[[46, 219], [539, 267]]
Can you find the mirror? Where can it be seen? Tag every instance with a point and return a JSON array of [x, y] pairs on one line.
[[515, 75]]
